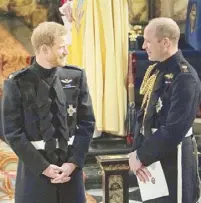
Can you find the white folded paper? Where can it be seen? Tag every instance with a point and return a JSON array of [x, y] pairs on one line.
[[157, 185]]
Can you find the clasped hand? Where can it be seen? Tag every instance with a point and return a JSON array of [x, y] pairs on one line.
[[137, 167], [59, 174]]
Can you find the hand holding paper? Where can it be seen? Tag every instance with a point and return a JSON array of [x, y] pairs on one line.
[[136, 166], [134, 162], [156, 186]]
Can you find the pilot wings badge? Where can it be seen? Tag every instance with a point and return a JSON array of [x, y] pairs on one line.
[[66, 83], [169, 76]]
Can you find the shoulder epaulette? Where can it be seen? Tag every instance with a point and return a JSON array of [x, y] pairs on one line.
[[72, 67], [17, 73]]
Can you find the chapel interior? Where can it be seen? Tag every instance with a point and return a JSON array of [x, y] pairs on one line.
[[125, 66]]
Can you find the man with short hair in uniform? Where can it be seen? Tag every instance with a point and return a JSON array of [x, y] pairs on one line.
[[48, 121], [172, 93]]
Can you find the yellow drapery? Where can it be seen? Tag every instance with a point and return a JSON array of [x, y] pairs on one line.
[[78, 27], [105, 59]]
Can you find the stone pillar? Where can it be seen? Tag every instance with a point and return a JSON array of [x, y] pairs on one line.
[[115, 182]]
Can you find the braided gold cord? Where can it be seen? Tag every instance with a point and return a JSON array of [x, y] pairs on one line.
[[147, 87], [145, 79]]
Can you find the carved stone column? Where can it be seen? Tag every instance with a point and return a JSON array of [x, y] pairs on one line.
[[115, 176]]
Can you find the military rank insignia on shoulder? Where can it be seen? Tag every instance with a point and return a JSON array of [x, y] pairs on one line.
[[184, 69]]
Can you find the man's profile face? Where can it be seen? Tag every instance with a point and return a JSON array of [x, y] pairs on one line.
[[153, 46], [58, 52]]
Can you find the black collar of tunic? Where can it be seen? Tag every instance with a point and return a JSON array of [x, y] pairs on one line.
[[47, 75], [171, 61]]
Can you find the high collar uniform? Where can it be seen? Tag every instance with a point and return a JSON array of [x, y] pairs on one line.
[[168, 116], [49, 106]]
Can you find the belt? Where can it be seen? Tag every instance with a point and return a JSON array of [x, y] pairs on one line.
[[40, 145], [189, 133]]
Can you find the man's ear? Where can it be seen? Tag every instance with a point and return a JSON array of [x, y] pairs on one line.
[[45, 49], [166, 42]]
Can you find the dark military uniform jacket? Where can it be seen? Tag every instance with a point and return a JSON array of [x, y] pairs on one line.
[[172, 109], [41, 104]]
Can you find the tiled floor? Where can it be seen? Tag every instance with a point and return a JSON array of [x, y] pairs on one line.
[[134, 195], [98, 194]]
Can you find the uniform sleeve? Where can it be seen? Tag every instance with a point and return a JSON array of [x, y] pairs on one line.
[[183, 107], [13, 129], [85, 125]]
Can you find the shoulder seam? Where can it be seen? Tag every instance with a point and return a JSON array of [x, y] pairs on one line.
[[72, 67], [17, 73]]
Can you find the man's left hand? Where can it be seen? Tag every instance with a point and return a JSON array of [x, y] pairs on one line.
[[134, 162], [67, 169]]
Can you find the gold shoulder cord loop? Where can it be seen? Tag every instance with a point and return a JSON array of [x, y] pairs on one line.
[[147, 87]]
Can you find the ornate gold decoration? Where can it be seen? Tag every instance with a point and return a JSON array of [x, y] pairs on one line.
[[116, 167], [118, 156], [8, 165], [147, 86], [193, 14], [135, 32], [115, 189]]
